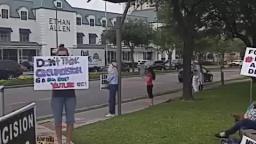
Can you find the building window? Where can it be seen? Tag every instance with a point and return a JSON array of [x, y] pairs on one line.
[[78, 21], [5, 13], [24, 35], [24, 15], [126, 56], [10, 54], [147, 55], [80, 38], [59, 5], [92, 23], [92, 38], [5, 36], [104, 23]]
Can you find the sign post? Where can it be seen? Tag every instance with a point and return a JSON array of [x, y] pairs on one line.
[[19, 127], [2, 107]]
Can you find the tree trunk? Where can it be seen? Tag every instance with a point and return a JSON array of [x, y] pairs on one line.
[[132, 57], [187, 55]]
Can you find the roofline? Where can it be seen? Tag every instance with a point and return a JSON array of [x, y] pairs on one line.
[[52, 9], [96, 10]]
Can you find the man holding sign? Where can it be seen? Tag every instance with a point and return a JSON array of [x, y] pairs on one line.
[[62, 74]]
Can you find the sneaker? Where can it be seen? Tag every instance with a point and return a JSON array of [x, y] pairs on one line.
[[221, 135], [109, 115]]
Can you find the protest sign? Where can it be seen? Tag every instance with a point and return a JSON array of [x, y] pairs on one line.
[[247, 140], [61, 72], [19, 127], [249, 63], [103, 81]]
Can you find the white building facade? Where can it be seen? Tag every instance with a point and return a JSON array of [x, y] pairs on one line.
[[28, 28]]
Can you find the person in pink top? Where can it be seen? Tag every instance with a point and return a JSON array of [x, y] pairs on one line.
[[149, 78]]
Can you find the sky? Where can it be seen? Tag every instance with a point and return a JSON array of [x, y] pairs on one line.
[[97, 5]]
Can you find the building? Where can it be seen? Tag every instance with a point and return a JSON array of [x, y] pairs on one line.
[[28, 28]]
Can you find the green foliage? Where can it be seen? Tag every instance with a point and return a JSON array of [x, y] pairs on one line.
[[134, 33], [179, 122], [237, 18]]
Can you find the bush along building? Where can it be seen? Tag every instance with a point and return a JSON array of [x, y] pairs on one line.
[[28, 28]]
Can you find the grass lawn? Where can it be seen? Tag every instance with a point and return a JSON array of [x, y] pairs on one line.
[[178, 122]]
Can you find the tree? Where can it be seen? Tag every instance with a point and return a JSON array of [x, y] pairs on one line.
[[186, 16], [237, 18], [134, 33], [166, 40]]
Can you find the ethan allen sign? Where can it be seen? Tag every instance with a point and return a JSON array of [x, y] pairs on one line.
[[63, 25]]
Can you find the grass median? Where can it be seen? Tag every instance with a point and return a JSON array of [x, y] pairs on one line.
[[177, 122]]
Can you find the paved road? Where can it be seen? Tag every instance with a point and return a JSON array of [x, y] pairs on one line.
[[132, 88]]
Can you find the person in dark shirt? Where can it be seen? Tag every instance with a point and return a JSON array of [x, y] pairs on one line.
[[63, 99]]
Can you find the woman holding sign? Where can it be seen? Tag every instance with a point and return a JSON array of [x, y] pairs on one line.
[[113, 86], [63, 99]]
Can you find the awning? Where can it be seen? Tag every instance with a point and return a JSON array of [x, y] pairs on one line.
[[93, 35], [4, 29], [25, 30], [80, 34]]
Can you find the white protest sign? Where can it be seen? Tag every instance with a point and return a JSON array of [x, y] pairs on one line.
[[249, 63], [61, 72], [247, 140], [103, 81]]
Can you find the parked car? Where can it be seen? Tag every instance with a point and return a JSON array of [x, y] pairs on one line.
[[9, 69], [158, 65], [125, 68], [177, 64], [235, 63], [208, 77], [27, 66]]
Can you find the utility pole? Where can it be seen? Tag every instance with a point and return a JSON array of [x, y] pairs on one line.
[[119, 25], [119, 61], [106, 45]]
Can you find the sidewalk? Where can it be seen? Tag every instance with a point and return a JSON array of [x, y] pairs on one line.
[[46, 128]]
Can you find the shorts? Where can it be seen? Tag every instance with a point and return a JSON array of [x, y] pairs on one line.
[[68, 104]]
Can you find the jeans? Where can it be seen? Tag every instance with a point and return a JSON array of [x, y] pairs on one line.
[[150, 91], [242, 124], [60, 103], [112, 98]]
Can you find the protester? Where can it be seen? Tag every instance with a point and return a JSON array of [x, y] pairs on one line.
[[63, 99], [195, 81], [247, 121], [149, 77], [113, 86], [200, 75]]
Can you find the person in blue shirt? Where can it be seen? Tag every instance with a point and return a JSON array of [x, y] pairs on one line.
[[113, 86], [246, 121]]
